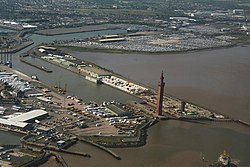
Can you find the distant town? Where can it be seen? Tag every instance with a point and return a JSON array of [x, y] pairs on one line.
[[186, 26], [51, 120]]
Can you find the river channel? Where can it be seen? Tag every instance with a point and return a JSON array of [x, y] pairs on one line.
[[217, 79]]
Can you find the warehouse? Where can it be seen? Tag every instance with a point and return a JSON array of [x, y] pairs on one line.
[[117, 110], [14, 124], [112, 40], [30, 116]]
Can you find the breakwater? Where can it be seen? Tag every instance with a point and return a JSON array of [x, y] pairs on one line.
[[38, 161], [232, 120], [102, 148], [60, 159], [75, 153], [67, 151]]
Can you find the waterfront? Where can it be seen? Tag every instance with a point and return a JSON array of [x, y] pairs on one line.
[[168, 140]]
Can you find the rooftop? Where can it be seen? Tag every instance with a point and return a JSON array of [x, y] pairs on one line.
[[112, 39], [117, 109], [29, 115], [13, 123]]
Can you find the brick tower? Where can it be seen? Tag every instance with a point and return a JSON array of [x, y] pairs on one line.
[[161, 85]]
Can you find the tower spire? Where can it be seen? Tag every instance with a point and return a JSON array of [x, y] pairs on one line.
[[161, 85]]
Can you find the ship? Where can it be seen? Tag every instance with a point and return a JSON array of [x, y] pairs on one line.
[[224, 160], [95, 80]]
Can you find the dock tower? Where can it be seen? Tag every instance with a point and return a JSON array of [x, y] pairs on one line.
[[183, 106], [161, 85]]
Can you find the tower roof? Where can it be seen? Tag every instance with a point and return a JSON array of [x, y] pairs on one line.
[[162, 77]]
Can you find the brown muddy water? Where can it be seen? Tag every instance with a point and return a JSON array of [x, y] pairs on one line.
[[217, 79]]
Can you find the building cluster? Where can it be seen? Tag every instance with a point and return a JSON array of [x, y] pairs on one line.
[[28, 111], [14, 116], [52, 121], [22, 121], [16, 25], [47, 14], [12, 86]]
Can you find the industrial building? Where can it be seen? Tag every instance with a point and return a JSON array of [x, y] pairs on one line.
[[117, 110], [30, 116], [47, 48], [112, 40], [43, 129], [14, 124]]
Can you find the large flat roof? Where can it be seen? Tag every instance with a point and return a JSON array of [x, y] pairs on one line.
[[112, 40], [29, 115], [13, 123], [47, 47]]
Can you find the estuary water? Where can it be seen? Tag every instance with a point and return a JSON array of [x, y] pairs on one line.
[[216, 79]]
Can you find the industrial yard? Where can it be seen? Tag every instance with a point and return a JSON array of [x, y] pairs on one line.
[[55, 121]]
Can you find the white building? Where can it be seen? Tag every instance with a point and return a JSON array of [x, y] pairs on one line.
[[30, 116], [14, 124]]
